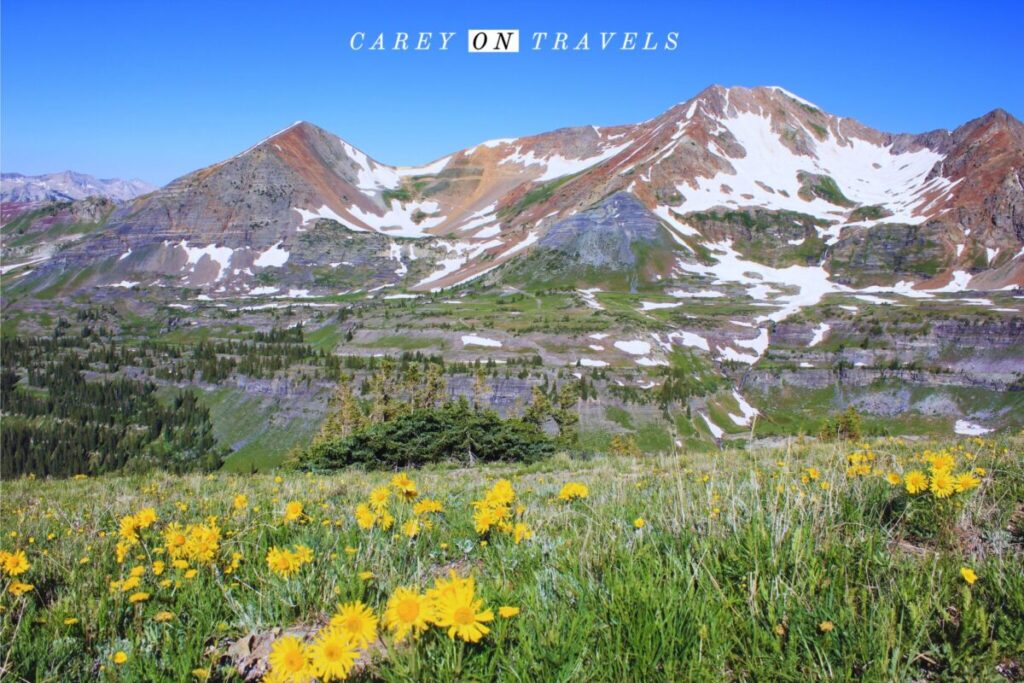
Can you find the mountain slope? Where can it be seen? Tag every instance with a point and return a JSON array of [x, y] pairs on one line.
[[742, 262], [941, 209], [68, 186]]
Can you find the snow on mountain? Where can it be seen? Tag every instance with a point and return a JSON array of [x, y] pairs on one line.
[[765, 173], [833, 195], [556, 165]]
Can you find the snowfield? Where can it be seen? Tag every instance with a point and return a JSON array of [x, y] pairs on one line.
[[474, 340], [635, 347], [654, 306], [397, 220], [716, 431], [589, 298], [819, 334], [219, 255], [866, 173], [308, 216], [273, 257], [747, 411], [966, 428], [690, 339], [556, 166]]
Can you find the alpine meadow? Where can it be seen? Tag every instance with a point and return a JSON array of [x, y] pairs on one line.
[[735, 393]]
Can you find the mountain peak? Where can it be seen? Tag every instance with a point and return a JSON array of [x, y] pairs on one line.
[[1000, 117], [68, 186], [761, 152]]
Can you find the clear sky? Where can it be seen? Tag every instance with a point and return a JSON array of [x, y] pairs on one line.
[[156, 89]]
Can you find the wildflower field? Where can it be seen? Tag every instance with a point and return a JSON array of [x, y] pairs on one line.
[[886, 560]]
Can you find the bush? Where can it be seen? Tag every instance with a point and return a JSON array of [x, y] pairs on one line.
[[625, 446], [453, 431], [843, 427]]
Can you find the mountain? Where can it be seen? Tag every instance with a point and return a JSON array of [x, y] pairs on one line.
[[879, 208], [68, 186], [742, 251]]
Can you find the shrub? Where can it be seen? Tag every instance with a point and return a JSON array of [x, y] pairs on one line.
[[625, 446], [453, 431], [843, 427]]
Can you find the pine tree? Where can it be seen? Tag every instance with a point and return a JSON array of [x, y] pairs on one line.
[[480, 389], [539, 410], [383, 386], [434, 389], [344, 416], [566, 415]]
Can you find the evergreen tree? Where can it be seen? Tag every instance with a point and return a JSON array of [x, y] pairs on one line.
[[566, 415], [344, 415], [539, 410]]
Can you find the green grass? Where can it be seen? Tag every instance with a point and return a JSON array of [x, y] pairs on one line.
[[54, 232], [9, 324], [652, 437], [197, 334], [252, 425], [326, 337], [869, 213], [541, 193], [406, 343], [739, 563], [619, 416], [402, 195], [594, 441], [826, 188]]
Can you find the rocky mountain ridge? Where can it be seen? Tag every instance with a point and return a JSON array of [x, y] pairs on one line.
[[68, 186], [714, 160]]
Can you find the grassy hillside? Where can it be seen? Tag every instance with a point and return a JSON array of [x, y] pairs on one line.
[[798, 563]]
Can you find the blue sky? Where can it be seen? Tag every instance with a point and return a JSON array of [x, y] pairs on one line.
[[156, 89]]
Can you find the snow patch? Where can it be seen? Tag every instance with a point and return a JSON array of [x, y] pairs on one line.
[[716, 431], [395, 251], [589, 298], [819, 334], [970, 428], [474, 340], [691, 340], [635, 347], [958, 284], [705, 294], [811, 282], [273, 257], [324, 211], [866, 173], [556, 166], [654, 306], [398, 221], [432, 168], [747, 411], [479, 219], [459, 254], [219, 255], [791, 96]]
